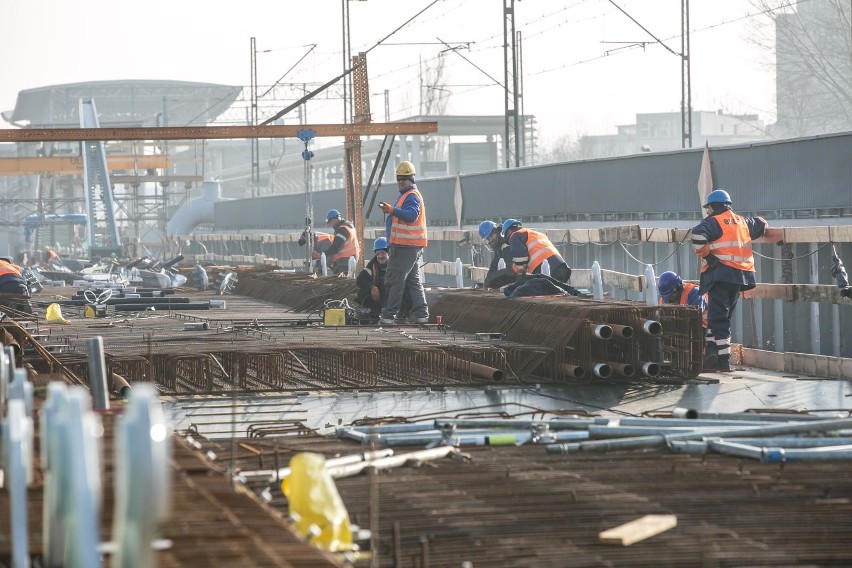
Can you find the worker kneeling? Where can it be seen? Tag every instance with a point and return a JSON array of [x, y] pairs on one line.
[[530, 249], [372, 285], [673, 290], [14, 291]]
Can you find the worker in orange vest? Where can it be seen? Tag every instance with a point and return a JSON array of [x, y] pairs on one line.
[[405, 227], [13, 286], [530, 249], [322, 242], [372, 282], [673, 290], [722, 242], [344, 245]]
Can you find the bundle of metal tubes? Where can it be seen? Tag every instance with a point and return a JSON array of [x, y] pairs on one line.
[[588, 338], [770, 437]]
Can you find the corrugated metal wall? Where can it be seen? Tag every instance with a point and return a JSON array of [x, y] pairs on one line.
[[800, 174]]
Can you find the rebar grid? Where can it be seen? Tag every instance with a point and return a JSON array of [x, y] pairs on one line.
[[521, 507]]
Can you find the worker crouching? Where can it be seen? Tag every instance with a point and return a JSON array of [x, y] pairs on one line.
[[530, 249], [372, 283], [14, 291]]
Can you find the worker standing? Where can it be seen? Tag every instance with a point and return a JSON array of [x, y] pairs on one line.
[[530, 249], [405, 227], [372, 282], [344, 245], [489, 232], [13, 286], [722, 242]]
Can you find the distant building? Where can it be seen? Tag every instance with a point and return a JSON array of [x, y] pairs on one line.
[[660, 132], [814, 69]]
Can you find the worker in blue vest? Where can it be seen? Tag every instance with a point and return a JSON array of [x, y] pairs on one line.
[[489, 232], [722, 242], [345, 244]]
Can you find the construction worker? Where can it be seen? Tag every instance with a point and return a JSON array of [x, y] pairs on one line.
[[673, 290], [372, 282], [405, 228], [489, 232], [722, 242], [322, 242], [50, 257], [345, 244], [530, 249], [14, 291]]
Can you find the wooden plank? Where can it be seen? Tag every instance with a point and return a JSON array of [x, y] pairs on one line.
[[638, 529], [620, 280], [821, 293]]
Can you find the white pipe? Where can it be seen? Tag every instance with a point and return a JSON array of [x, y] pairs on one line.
[[459, 273], [652, 327], [650, 286], [597, 281], [650, 369], [602, 370], [199, 210], [602, 331]]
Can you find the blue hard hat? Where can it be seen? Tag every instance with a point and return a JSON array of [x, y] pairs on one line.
[[380, 244], [486, 228], [332, 214], [508, 224], [718, 196], [668, 283]]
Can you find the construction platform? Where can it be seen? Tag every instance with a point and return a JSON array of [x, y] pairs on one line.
[[249, 386]]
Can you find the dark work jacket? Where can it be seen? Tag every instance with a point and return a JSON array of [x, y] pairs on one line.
[[500, 277], [372, 275]]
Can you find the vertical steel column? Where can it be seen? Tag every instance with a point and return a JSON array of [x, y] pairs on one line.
[[685, 73], [255, 144], [816, 344], [511, 141]]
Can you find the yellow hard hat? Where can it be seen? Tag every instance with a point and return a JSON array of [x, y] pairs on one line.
[[405, 168]]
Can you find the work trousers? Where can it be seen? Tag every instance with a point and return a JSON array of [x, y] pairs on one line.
[[721, 301], [403, 276]]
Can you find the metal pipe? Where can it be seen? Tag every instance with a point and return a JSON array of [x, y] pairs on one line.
[[656, 441], [624, 331], [623, 369], [665, 422], [575, 371], [475, 369], [601, 331], [692, 413], [649, 368], [564, 423], [603, 432], [651, 327], [602, 370], [163, 307], [120, 385], [97, 374]]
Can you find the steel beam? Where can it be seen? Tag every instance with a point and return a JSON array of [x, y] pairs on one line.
[[212, 132], [74, 164]]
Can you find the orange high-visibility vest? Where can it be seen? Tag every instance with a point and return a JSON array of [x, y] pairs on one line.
[[321, 238], [732, 248], [409, 234], [8, 268], [539, 248], [684, 300], [350, 247]]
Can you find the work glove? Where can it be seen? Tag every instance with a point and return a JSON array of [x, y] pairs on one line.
[[386, 208], [375, 294]]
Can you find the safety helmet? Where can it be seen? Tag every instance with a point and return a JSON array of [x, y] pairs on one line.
[[486, 228], [508, 224], [7, 259], [404, 169], [718, 196], [380, 244], [46, 247], [668, 283], [332, 214]]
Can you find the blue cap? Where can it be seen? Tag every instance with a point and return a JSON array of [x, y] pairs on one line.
[[486, 228], [332, 214], [508, 224]]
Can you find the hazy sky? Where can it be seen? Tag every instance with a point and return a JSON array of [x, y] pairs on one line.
[[569, 83]]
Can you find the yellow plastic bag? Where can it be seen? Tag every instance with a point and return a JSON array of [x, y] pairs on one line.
[[315, 503], [54, 314]]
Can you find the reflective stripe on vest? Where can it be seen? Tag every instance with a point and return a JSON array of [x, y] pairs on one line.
[[7, 268], [350, 247], [732, 248], [409, 234], [539, 248]]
